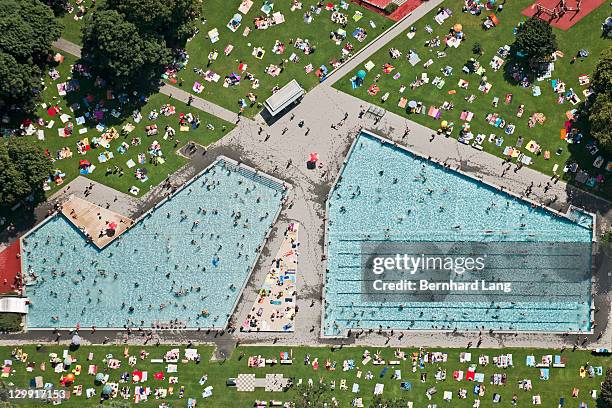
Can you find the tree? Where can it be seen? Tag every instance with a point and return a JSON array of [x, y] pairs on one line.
[[606, 390], [602, 76], [23, 169], [20, 85], [174, 20], [535, 41], [600, 110], [115, 49], [600, 118], [59, 7], [28, 28]]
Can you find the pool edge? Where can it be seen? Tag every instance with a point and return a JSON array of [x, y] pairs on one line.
[[406, 149]]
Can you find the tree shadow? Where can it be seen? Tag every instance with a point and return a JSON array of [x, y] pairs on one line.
[[100, 102], [585, 159], [518, 70]]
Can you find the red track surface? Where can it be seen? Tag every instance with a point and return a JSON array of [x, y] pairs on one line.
[[378, 3], [10, 269], [567, 20], [405, 9], [398, 14]]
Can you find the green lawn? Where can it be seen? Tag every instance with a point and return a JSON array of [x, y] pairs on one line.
[[217, 14], [11, 322], [210, 130], [585, 34], [560, 383], [72, 26]]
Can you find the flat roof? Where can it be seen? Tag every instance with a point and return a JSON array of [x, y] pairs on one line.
[[284, 97]]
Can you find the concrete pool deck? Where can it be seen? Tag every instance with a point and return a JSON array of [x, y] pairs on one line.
[[284, 154]]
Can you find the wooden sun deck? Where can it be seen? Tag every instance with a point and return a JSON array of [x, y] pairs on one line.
[[94, 220]]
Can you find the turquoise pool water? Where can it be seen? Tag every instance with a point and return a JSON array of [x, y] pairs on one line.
[[386, 194], [165, 268]]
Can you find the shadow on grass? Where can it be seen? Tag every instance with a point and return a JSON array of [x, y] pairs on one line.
[[95, 96], [584, 158]]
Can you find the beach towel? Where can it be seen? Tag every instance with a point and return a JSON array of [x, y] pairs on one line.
[[245, 6], [413, 58], [536, 91]]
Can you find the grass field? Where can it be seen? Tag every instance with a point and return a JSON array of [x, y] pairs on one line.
[[584, 35], [217, 14], [560, 384], [72, 27], [203, 135], [10, 322]]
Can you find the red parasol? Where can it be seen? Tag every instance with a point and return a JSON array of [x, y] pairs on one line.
[[314, 157], [136, 376], [112, 225]]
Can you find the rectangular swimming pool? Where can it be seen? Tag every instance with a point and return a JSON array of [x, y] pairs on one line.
[[386, 195]]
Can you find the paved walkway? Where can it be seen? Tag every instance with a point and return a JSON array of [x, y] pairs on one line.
[[67, 46], [199, 103]]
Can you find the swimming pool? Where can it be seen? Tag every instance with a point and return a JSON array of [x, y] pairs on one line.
[[386, 194], [186, 260]]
